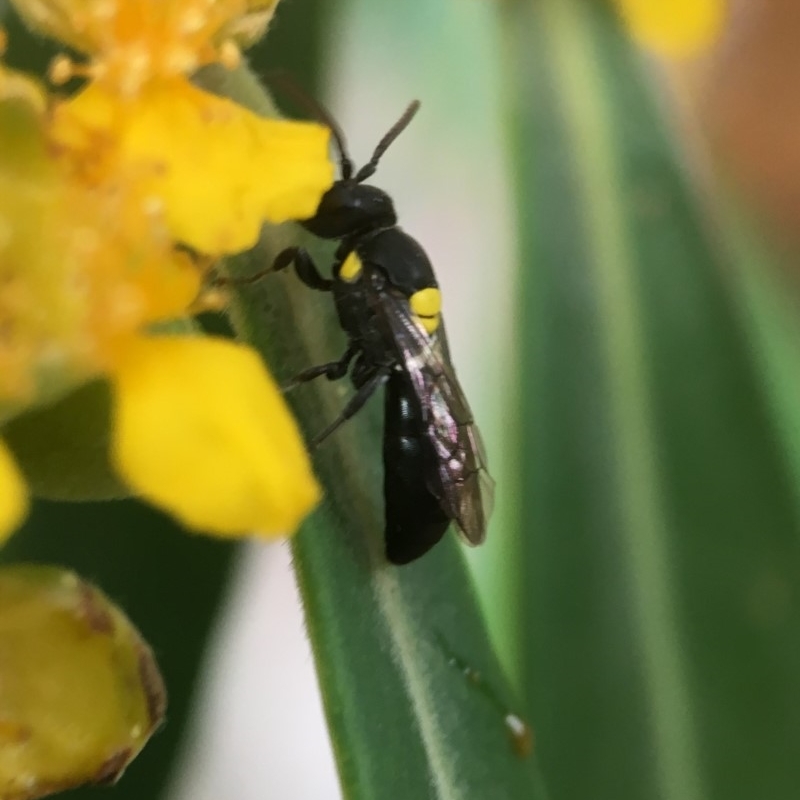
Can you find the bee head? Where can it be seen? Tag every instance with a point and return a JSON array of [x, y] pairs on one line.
[[349, 207]]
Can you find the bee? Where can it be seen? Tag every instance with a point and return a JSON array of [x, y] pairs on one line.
[[389, 305]]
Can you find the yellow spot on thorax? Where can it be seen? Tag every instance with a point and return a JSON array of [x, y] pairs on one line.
[[427, 306], [351, 268]]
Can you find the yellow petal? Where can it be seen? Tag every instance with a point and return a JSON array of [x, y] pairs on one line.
[[202, 430], [674, 28], [219, 170], [13, 494]]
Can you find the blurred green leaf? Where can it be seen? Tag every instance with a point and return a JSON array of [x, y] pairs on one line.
[[659, 609], [769, 311]]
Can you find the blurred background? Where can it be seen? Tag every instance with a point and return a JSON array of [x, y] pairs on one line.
[[615, 228]]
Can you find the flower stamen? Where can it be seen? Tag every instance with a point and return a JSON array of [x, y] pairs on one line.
[[62, 69], [230, 56]]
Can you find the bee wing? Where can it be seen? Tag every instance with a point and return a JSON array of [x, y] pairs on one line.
[[464, 486]]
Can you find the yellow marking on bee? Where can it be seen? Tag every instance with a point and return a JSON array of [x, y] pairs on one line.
[[429, 323], [351, 268], [427, 305], [426, 302]]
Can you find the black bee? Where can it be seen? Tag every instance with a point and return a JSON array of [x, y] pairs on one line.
[[388, 303]]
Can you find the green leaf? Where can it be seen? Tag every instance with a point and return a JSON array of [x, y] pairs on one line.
[[391, 644], [658, 609]]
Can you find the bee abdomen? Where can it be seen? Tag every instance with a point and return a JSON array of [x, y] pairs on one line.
[[415, 521]]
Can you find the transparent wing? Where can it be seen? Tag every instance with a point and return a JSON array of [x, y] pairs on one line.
[[463, 484]]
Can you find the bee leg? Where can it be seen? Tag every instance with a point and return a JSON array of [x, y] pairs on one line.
[[354, 405], [303, 264], [333, 370]]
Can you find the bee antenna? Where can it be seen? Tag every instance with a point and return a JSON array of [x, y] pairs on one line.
[[383, 145], [287, 84]]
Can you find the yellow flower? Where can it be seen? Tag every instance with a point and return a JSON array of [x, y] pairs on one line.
[[218, 170], [674, 28], [83, 265], [96, 192]]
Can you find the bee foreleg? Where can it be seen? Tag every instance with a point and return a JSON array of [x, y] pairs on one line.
[[304, 266]]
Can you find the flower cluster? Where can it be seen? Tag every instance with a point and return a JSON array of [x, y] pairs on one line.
[[114, 201]]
